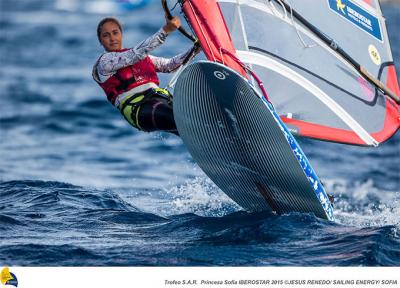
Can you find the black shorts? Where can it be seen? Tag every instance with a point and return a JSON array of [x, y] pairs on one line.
[[150, 111]]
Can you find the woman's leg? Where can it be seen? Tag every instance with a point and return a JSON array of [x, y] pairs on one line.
[[156, 114]]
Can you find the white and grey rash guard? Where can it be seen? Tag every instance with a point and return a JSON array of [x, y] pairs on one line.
[[111, 62]]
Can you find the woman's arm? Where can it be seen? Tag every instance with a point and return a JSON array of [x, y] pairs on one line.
[[110, 62], [168, 65]]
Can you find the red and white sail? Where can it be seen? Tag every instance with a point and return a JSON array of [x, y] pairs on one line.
[[314, 90]]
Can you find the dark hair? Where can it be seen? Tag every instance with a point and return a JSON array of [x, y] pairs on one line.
[[105, 20]]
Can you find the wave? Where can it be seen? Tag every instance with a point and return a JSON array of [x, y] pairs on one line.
[[81, 226]]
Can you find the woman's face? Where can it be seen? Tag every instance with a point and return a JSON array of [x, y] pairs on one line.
[[111, 36]]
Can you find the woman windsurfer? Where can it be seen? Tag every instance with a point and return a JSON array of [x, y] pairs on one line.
[[128, 76]]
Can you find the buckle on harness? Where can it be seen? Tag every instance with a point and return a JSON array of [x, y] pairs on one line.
[[163, 93]]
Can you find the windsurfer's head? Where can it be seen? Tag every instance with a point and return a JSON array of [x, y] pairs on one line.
[[109, 33]]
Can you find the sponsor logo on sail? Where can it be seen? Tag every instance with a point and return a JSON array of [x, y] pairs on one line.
[[358, 16], [374, 54]]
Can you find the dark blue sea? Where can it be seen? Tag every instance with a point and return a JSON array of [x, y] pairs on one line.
[[80, 187]]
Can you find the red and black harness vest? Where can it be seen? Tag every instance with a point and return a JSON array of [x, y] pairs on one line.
[[128, 78]]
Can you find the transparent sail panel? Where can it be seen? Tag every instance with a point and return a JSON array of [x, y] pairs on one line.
[[305, 79]]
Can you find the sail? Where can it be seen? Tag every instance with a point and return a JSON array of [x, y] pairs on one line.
[[213, 35], [316, 92]]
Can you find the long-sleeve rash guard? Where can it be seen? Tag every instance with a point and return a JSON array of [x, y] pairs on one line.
[[111, 62]]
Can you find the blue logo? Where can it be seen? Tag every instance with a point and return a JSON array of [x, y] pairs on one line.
[[8, 278], [358, 16]]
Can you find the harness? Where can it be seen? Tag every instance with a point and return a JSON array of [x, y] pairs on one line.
[[127, 78], [130, 106]]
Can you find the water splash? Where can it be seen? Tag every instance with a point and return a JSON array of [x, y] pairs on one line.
[[201, 196], [363, 204]]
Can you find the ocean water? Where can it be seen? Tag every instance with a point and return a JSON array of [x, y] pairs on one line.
[[80, 187]]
